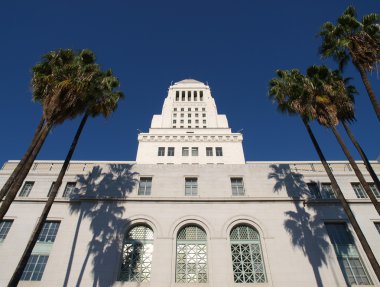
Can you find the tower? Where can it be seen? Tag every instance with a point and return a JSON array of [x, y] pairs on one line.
[[189, 130]]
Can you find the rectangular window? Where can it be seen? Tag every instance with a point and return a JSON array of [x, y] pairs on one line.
[[377, 225], [34, 268], [145, 186], [195, 98], [204, 121], [208, 151], [237, 186], [195, 93], [197, 121], [194, 151], [189, 115], [189, 121], [48, 232], [181, 121], [196, 115], [183, 96], [51, 188], [181, 115], [5, 226], [69, 189], [348, 256], [170, 151], [174, 121], [174, 115], [374, 189], [201, 95], [189, 96], [175, 109], [177, 96], [359, 190], [203, 109], [327, 191], [161, 151], [314, 190], [191, 186], [28, 185], [204, 115], [189, 109], [185, 151], [218, 151]]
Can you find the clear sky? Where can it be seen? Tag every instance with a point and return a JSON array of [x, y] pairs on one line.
[[235, 46]]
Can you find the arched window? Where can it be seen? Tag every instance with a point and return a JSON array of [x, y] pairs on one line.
[[191, 264], [137, 255], [247, 258]]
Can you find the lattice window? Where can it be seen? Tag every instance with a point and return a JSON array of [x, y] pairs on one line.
[[348, 256], [359, 190], [237, 186], [35, 267], [137, 255], [374, 189], [191, 264], [191, 186], [5, 226], [145, 186], [69, 189], [28, 185], [49, 231], [247, 258]]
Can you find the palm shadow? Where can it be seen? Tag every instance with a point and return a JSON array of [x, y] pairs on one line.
[[96, 200], [307, 231]]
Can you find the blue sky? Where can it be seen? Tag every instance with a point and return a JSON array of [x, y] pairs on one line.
[[235, 46]]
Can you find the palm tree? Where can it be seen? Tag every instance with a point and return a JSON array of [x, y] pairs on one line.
[[60, 83], [332, 97], [102, 100], [292, 92], [357, 40]]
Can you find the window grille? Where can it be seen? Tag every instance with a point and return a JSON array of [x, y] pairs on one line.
[[137, 255], [28, 185], [35, 267], [48, 232], [237, 186], [359, 190], [191, 263], [348, 256], [191, 186], [145, 186], [247, 258], [69, 189], [5, 226]]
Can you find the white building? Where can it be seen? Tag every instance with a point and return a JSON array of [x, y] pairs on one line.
[[190, 211]]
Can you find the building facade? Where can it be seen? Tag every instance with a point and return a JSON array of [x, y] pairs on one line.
[[190, 211]]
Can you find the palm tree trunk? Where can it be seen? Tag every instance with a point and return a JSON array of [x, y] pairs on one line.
[[355, 225], [363, 156], [357, 171], [370, 92], [19, 166], [18, 181], [34, 237]]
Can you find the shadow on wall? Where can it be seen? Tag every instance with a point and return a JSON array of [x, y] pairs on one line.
[[97, 190], [306, 230]]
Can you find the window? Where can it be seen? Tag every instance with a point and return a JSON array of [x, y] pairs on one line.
[[191, 186], [161, 151], [145, 186], [181, 121], [237, 186], [204, 115], [182, 109], [325, 192], [137, 255], [189, 115], [348, 256], [181, 115], [175, 109], [201, 97], [195, 93], [359, 190], [189, 109], [204, 121], [170, 151], [189, 96], [48, 232], [208, 151], [196, 109], [34, 268], [374, 189], [174, 121], [203, 109], [201, 94], [191, 263], [174, 115], [377, 225], [51, 188], [185, 151], [5, 226], [69, 189], [196, 115], [197, 121], [218, 151], [183, 96], [195, 98], [194, 151], [247, 258], [37, 261], [177, 96], [28, 185], [189, 121]]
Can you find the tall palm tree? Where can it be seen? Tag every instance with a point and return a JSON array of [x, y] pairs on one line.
[[358, 40], [332, 97], [60, 84], [292, 92], [102, 100]]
